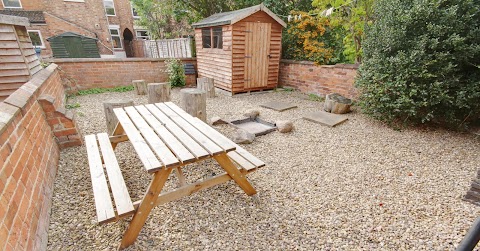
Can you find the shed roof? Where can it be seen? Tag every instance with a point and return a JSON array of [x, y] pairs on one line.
[[13, 20], [69, 34], [35, 17], [232, 17]]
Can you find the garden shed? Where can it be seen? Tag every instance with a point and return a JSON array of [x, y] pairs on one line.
[[240, 49], [73, 45]]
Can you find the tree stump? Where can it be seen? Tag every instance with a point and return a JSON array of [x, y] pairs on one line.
[[336, 103], [110, 116], [158, 92], [206, 84], [194, 102], [140, 87]]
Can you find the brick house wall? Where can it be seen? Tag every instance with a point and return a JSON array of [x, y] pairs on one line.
[[28, 159], [319, 79], [87, 18], [86, 73]]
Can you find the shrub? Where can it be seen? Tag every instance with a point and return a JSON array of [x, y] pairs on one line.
[[422, 62], [176, 72]]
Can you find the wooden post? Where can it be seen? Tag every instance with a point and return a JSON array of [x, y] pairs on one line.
[[110, 117], [158, 92], [194, 102], [140, 87], [206, 84]]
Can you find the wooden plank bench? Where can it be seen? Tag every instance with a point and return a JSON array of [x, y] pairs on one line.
[[97, 159]]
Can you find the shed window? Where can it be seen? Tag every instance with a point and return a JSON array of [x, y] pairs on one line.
[[115, 34], [212, 38], [12, 4], [36, 38], [109, 7]]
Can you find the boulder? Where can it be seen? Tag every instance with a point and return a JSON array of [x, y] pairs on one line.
[[253, 114], [284, 126], [336, 103], [243, 137], [217, 121]]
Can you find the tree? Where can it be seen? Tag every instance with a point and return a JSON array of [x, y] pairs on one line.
[[353, 15], [206, 8], [422, 62], [163, 19], [282, 7]]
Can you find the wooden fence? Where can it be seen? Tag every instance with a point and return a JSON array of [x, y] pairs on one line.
[[168, 48]]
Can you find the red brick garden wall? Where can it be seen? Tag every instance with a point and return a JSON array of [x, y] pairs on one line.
[[86, 73], [321, 80], [28, 159]]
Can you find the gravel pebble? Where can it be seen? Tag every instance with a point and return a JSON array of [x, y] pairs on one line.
[[358, 186]]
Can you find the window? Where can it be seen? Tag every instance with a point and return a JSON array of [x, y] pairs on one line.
[[142, 34], [135, 13], [109, 7], [36, 38], [212, 38], [115, 34], [12, 4]]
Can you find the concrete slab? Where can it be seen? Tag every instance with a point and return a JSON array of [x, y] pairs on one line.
[[278, 106], [325, 118]]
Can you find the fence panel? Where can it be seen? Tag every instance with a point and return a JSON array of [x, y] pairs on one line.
[[168, 48]]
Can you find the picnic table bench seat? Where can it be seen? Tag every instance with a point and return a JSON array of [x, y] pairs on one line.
[[101, 191]]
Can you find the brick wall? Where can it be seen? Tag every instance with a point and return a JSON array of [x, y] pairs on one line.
[[106, 73], [321, 80], [28, 159]]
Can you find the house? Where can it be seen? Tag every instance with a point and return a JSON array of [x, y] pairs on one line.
[[111, 22], [240, 49]]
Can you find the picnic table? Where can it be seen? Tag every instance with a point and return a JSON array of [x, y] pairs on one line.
[[165, 138]]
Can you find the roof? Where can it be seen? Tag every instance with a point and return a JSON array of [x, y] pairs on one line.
[[232, 17], [13, 20], [35, 17], [69, 34]]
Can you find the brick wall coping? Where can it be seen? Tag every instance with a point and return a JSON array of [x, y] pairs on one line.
[[344, 66], [84, 60], [17, 101]]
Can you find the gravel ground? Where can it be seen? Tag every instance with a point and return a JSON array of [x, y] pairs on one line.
[[358, 186]]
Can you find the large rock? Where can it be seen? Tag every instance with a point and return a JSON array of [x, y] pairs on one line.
[[284, 126], [253, 114], [336, 103], [243, 137]]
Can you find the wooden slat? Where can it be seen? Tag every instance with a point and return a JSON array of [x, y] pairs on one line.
[[144, 152], [252, 159], [182, 153], [182, 136], [207, 130], [123, 202], [245, 164], [209, 145], [162, 151], [103, 203]]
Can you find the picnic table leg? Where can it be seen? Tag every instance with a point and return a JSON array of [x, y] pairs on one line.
[[236, 175], [181, 177], [118, 131], [148, 202]]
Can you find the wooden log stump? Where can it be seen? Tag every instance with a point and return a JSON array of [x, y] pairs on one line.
[[336, 103], [206, 84], [110, 116], [158, 92], [140, 87], [194, 102]]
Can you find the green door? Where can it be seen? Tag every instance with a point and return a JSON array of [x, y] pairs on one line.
[[74, 47]]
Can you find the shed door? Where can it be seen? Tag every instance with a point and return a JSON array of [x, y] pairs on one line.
[[74, 47], [257, 50]]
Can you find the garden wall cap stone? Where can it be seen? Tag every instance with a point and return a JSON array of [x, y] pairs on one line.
[[7, 113]]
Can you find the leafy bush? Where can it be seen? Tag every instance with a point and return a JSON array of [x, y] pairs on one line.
[[176, 72], [422, 62]]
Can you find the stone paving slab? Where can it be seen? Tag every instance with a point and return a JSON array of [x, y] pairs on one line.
[[278, 106], [325, 118]]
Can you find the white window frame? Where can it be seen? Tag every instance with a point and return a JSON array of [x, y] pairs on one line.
[[142, 37], [133, 14], [19, 1], [105, 8], [115, 27], [40, 36]]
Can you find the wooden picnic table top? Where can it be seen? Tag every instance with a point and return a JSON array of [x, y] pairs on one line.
[[165, 136]]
